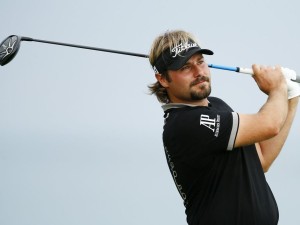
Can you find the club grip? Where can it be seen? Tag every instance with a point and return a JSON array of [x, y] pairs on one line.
[[245, 70]]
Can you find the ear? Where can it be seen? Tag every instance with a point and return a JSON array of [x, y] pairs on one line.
[[162, 80]]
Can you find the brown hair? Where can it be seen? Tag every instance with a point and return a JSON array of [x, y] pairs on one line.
[[167, 40]]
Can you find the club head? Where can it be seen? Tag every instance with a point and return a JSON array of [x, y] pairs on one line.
[[9, 48]]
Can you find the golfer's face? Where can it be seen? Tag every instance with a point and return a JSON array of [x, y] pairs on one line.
[[191, 82]]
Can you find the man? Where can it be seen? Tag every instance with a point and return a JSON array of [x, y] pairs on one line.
[[216, 156]]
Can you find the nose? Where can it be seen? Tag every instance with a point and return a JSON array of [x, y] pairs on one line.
[[198, 70]]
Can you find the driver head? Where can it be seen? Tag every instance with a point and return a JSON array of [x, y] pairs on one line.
[[9, 48]]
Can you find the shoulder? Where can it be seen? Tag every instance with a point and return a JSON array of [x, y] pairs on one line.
[[217, 100], [205, 125], [186, 119], [219, 104]]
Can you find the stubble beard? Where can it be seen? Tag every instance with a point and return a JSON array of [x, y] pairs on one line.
[[203, 90]]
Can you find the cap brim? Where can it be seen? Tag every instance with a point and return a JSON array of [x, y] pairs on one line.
[[178, 63]]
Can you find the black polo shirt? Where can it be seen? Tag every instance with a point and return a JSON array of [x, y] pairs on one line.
[[220, 185]]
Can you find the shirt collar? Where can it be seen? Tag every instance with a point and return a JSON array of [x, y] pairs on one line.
[[168, 106], [176, 106]]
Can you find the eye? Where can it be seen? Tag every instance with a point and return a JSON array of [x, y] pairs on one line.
[[201, 61], [185, 67]]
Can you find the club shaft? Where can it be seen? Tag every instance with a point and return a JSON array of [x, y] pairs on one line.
[[230, 68], [85, 47]]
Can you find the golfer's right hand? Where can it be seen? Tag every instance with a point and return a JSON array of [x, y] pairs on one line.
[[269, 78]]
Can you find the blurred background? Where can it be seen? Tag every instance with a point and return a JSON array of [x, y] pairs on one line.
[[81, 138]]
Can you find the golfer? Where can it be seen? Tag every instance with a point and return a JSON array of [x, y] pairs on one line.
[[218, 157]]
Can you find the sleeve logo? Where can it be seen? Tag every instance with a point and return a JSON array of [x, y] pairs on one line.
[[212, 124]]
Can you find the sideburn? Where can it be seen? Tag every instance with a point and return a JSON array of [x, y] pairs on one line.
[[166, 75]]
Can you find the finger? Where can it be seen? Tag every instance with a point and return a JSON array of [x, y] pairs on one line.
[[255, 68]]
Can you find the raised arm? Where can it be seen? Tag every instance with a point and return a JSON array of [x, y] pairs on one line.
[[268, 150], [268, 122]]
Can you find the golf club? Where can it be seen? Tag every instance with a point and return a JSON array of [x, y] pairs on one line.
[[11, 45]]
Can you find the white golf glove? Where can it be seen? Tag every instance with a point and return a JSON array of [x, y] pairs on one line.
[[288, 73], [293, 87]]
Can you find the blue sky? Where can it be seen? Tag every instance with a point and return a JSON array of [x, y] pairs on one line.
[[80, 138]]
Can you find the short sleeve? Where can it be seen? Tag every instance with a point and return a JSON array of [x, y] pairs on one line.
[[202, 129]]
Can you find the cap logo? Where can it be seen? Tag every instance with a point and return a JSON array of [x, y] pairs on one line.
[[181, 47], [155, 69]]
